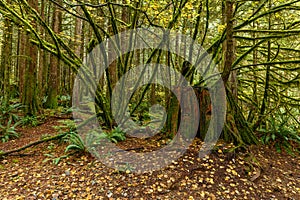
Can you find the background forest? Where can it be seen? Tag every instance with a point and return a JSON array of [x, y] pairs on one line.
[[256, 45]]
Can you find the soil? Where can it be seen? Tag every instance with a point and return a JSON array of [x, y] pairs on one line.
[[256, 173]]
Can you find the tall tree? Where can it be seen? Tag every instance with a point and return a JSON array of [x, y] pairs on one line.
[[30, 98], [237, 128], [55, 62], [6, 57]]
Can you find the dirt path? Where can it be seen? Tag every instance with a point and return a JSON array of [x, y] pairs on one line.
[[259, 174]]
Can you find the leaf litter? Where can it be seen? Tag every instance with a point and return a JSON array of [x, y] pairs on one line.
[[256, 173]]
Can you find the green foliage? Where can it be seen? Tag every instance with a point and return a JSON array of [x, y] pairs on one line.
[[67, 111], [116, 135], [92, 139], [76, 142], [9, 120], [14, 90], [30, 121], [51, 147], [142, 112], [66, 125], [127, 168], [64, 100], [44, 136], [55, 160], [282, 135], [70, 124], [8, 131], [9, 111]]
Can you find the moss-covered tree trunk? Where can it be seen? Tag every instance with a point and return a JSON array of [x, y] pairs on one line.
[[54, 65], [202, 115], [236, 128], [30, 99], [173, 113], [6, 53], [205, 111], [42, 54]]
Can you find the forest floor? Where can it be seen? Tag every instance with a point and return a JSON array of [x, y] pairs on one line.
[[257, 173]]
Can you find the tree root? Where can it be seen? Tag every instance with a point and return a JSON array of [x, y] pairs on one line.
[[56, 137]]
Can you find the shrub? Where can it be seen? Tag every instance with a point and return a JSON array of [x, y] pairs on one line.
[[8, 131], [9, 120], [30, 121], [281, 134]]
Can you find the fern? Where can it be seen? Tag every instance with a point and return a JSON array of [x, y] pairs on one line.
[[76, 142]]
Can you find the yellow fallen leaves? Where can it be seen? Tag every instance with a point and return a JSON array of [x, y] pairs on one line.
[[278, 180], [163, 185], [210, 180], [233, 184], [159, 189], [82, 178], [194, 186], [232, 171]]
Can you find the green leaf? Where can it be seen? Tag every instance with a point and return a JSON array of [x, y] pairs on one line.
[[278, 149], [73, 147], [56, 160], [267, 139], [273, 136]]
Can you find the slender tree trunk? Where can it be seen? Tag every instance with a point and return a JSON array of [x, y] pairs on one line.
[[22, 63], [77, 48], [6, 56], [42, 66], [30, 99], [261, 117], [236, 128], [229, 43], [54, 65], [253, 109]]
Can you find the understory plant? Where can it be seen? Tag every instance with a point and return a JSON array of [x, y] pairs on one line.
[[75, 142], [281, 134], [8, 131], [94, 137], [30, 121], [9, 119], [87, 143], [116, 135]]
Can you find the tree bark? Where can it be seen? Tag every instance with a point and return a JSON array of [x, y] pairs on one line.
[[29, 99], [236, 128], [54, 65], [6, 56]]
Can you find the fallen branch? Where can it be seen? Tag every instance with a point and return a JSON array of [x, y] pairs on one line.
[[256, 176], [2, 154]]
